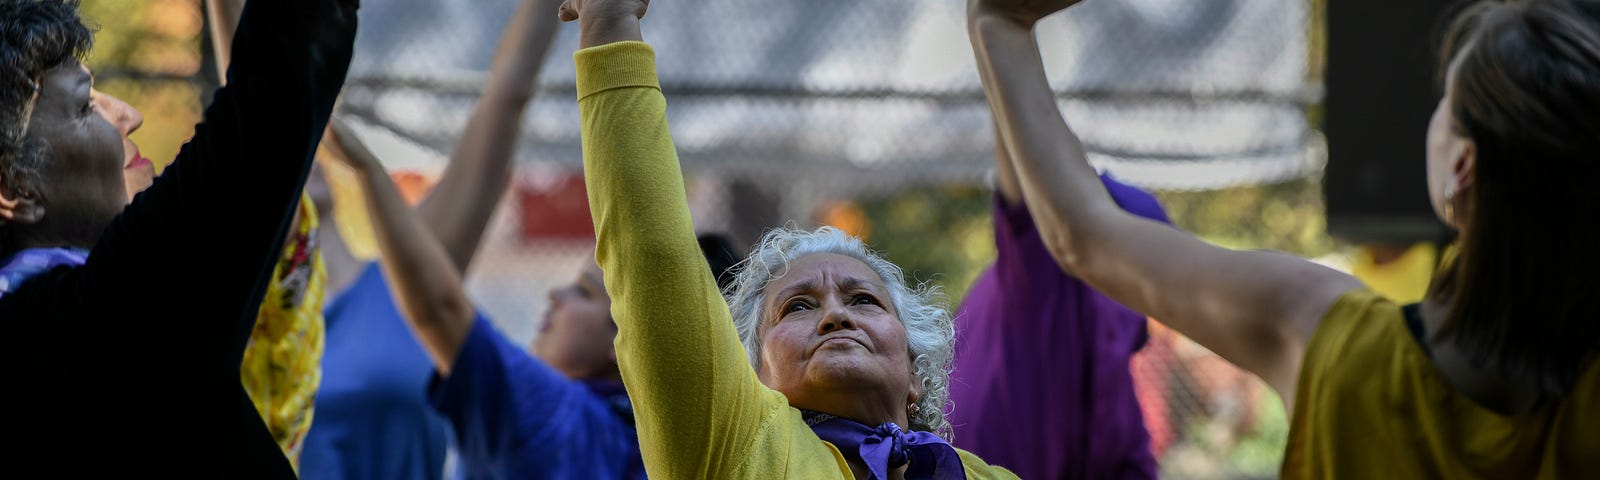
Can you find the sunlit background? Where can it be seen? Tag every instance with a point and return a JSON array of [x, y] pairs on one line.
[[864, 115]]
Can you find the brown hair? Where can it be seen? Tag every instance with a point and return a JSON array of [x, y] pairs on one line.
[[1520, 292]]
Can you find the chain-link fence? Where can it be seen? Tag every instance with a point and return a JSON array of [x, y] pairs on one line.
[[869, 116]]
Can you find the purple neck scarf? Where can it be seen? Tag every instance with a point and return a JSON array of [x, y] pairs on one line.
[[28, 263], [886, 448]]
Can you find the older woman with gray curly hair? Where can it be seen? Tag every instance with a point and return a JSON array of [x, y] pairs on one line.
[[929, 331], [836, 369]]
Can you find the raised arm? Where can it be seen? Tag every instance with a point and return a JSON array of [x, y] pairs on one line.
[[1257, 309], [223, 16], [459, 207], [696, 398], [426, 287], [1005, 181], [224, 204]]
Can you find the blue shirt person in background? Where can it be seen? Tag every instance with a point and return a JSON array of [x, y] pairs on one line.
[[559, 412], [372, 418]]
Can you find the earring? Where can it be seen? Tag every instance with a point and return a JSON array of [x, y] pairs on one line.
[[911, 410], [1450, 204]]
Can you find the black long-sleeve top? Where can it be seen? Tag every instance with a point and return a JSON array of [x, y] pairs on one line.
[[128, 366]]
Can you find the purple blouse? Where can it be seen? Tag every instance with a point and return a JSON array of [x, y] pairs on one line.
[[1041, 383]]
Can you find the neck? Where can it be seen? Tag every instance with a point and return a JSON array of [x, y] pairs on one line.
[[43, 238], [859, 408]]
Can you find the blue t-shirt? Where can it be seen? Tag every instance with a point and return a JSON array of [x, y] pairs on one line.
[[518, 418], [372, 418]]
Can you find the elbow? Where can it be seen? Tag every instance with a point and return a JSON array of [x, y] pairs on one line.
[[443, 313], [1067, 249]]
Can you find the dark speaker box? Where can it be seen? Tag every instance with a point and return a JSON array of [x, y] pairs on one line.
[[1381, 90]]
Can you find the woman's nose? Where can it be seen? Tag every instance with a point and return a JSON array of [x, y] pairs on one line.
[[121, 115], [835, 317]]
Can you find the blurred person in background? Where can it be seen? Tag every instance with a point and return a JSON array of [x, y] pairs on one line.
[[823, 363], [373, 420], [77, 255], [1042, 383], [1492, 375], [1399, 272], [559, 412]]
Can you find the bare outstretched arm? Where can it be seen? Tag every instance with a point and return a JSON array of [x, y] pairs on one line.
[[459, 208], [1256, 309], [426, 287]]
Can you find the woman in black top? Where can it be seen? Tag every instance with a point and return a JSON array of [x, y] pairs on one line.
[[129, 363]]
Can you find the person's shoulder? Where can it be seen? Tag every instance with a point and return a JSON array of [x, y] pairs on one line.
[[1361, 345], [977, 469], [1358, 316], [43, 295]]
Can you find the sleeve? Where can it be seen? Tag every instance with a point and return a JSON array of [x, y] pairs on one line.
[[697, 402], [212, 226], [499, 398]]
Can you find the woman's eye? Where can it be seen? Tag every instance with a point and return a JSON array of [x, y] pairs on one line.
[[865, 300], [796, 306]]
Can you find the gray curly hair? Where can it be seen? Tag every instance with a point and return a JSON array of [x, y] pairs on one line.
[[930, 330]]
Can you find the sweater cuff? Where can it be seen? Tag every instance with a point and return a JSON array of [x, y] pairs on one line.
[[615, 65]]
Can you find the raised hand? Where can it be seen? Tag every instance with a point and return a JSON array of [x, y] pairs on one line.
[[1024, 12], [575, 9]]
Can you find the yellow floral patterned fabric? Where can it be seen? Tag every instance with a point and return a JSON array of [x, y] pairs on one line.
[[282, 363]]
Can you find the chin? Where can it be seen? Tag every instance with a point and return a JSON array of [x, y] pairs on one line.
[[843, 370]]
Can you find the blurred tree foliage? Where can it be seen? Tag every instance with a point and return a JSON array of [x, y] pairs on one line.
[[148, 54]]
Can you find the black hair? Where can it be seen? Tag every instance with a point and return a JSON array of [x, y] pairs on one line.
[[35, 36], [719, 252]]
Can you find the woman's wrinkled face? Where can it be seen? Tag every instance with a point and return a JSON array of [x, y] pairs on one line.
[[577, 332], [85, 186], [829, 333]]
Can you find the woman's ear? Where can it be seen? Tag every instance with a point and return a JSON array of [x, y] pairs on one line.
[[23, 208]]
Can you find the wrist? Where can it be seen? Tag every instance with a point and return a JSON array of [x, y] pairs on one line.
[[602, 27]]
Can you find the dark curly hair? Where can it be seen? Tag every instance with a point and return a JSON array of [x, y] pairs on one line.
[[35, 36]]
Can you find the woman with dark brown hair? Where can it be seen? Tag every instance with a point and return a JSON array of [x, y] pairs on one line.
[[1492, 375]]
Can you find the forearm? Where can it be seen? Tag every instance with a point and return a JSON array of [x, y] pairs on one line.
[[1005, 181], [426, 287], [521, 53], [688, 374], [1063, 192], [461, 205], [223, 16]]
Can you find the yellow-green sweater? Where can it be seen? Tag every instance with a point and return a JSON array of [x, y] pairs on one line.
[[701, 412]]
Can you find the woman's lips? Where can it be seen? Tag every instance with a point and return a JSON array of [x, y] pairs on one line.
[[138, 162]]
